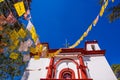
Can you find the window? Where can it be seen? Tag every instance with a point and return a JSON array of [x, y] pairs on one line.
[[93, 47], [67, 75]]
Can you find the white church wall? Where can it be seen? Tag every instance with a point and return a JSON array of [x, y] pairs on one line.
[[99, 68], [66, 64], [36, 69]]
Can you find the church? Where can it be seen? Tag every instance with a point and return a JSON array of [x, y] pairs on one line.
[[88, 63]]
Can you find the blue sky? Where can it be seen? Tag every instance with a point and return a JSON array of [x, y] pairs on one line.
[[58, 20]]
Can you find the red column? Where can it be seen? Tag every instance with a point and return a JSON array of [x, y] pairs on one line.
[[78, 72], [50, 68], [82, 67]]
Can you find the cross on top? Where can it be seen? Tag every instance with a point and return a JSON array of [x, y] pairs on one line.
[[66, 44]]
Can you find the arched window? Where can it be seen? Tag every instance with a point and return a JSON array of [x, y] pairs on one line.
[[67, 73]]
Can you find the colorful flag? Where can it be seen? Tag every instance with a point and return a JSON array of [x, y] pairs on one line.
[[112, 0], [102, 10], [22, 33], [39, 48], [36, 57], [37, 41], [27, 15], [12, 47], [23, 46], [26, 57], [29, 42], [106, 3], [29, 25], [85, 34], [89, 28], [1, 0], [32, 50], [19, 6], [14, 35], [33, 34], [31, 28], [11, 19], [16, 42], [81, 38], [95, 21], [55, 53], [14, 55]]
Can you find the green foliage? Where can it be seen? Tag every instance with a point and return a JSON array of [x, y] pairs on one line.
[[116, 70], [11, 69], [113, 12]]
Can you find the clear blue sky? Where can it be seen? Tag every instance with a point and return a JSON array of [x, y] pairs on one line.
[[57, 20]]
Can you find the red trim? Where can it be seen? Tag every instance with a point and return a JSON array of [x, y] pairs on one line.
[[66, 70], [66, 79], [82, 68], [65, 59], [50, 68], [67, 50], [95, 52]]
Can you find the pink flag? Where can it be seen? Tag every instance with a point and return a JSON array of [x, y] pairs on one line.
[[11, 18], [95, 21]]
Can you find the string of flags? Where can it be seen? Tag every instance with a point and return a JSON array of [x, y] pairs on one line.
[[90, 27], [27, 45], [86, 32]]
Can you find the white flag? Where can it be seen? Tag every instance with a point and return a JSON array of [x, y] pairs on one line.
[[23, 46], [26, 57], [29, 42], [37, 41], [30, 25]]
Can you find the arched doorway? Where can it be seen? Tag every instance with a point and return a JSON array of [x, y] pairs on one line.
[[67, 73]]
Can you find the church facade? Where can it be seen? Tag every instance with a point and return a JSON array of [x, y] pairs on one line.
[[88, 63]]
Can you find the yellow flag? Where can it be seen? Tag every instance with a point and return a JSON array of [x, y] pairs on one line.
[[1, 0], [112, 0], [85, 34], [19, 6], [90, 27], [33, 34], [12, 47], [13, 55], [32, 50], [106, 3], [22, 33], [95, 21], [36, 57], [39, 48], [16, 42], [54, 53], [102, 10], [14, 35], [81, 38]]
